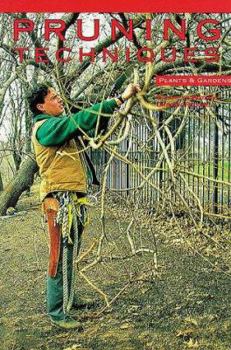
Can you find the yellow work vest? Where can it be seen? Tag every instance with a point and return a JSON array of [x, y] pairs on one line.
[[61, 168]]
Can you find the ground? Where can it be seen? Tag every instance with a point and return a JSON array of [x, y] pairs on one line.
[[184, 304]]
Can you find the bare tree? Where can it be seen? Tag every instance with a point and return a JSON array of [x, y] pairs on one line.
[[83, 83]]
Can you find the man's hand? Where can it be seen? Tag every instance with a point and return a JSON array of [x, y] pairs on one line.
[[130, 91]]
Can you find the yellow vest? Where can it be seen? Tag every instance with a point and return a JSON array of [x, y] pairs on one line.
[[61, 168]]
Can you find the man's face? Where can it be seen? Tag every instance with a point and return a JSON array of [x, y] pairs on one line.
[[52, 105]]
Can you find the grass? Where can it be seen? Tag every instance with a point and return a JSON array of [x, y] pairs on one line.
[[207, 168]]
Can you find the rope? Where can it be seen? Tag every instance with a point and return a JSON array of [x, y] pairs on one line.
[[62, 220], [75, 249], [65, 279], [69, 216]]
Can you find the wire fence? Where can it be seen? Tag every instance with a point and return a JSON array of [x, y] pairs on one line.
[[202, 156]]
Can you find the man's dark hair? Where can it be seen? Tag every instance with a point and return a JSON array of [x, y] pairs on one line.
[[37, 95]]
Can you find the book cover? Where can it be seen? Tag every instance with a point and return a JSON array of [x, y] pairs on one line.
[[155, 255]]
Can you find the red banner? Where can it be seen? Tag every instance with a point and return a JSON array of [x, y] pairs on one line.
[[157, 6]]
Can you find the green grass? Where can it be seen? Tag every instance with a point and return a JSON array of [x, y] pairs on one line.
[[207, 169]]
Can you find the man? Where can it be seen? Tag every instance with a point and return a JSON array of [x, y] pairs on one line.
[[64, 175]]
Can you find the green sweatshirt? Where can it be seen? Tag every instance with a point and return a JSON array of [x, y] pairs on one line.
[[57, 130]]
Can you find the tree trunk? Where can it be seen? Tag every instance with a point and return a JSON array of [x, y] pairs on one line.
[[1, 183], [23, 180], [17, 160]]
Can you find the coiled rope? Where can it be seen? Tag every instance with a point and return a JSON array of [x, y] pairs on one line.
[[67, 217]]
